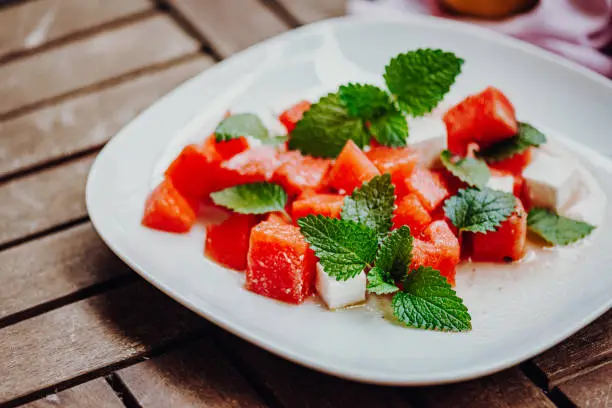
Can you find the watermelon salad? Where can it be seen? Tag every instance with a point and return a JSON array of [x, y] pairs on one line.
[[344, 207]]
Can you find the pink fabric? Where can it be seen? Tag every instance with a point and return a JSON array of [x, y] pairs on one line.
[[576, 29]]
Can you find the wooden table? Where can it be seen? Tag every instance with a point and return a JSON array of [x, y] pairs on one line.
[[77, 327]]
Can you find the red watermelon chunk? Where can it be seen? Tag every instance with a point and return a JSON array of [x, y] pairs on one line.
[[279, 264], [398, 162], [483, 118], [191, 172], [293, 115], [515, 164], [254, 165], [411, 212], [439, 249], [298, 173], [168, 210], [506, 244], [351, 169], [228, 242], [328, 205], [429, 186], [228, 148]]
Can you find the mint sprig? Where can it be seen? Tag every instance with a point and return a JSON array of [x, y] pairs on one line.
[[241, 124], [395, 253], [381, 282], [372, 204], [556, 229], [390, 129], [429, 302], [526, 137], [482, 210], [420, 79], [252, 198], [472, 171]]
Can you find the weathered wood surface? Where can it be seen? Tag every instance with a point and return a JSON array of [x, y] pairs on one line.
[[90, 60], [309, 11], [93, 394], [198, 375], [86, 121], [35, 23], [230, 26], [592, 389]]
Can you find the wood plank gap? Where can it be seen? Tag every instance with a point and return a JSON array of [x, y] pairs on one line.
[[266, 395], [104, 371], [122, 391], [560, 399], [189, 28], [48, 231], [5, 4], [97, 86], [78, 35], [282, 12], [84, 293], [538, 378]]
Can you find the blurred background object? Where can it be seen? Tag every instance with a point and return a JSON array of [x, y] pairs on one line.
[[580, 30]]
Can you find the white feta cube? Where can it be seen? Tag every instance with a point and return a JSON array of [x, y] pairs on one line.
[[551, 181], [338, 294], [501, 183]]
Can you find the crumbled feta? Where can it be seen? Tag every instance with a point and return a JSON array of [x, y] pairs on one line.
[[502, 183], [338, 294], [551, 181]]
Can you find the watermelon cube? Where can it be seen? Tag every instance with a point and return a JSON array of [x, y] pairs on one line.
[[515, 164], [484, 118], [228, 148], [228, 242], [328, 205], [191, 172], [254, 165], [293, 115], [438, 249], [398, 162], [298, 173], [279, 264], [506, 244], [166, 209], [411, 212], [429, 186], [351, 169]]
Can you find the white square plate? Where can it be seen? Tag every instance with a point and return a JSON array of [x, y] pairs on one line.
[[517, 310]]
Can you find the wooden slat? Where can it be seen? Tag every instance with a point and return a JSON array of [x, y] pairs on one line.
[[89, 335], [589, 347], [507, 389], [91, 60], [230, 25], [295, 386], [93, 394], [35, 23], [194, 376], [590, 390], [87, 121], [309, 11], [53, 267], [43, 200]]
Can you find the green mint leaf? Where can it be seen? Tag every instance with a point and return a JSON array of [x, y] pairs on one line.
[[380, 282], [253, 198], [343, 247], [372, 204], [326, 127], [420, 79], [395, 253], [469, 170], [365, 101], [429, 302], [556, 229], [479, 210], [241, 124], [526, 137], [390, 129]]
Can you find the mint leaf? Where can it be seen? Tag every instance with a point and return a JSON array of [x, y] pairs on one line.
[[241, 124], [556, 229], [390, 129], [469, 170], [372, 204], [254, 198], [365, 101], [380, 282], [420, 79], [479, 210], [526, 137], [343, 247], [429, 302], [395, 253], [326, 127]]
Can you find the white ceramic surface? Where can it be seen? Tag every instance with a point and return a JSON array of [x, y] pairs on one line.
[[517, 310]]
